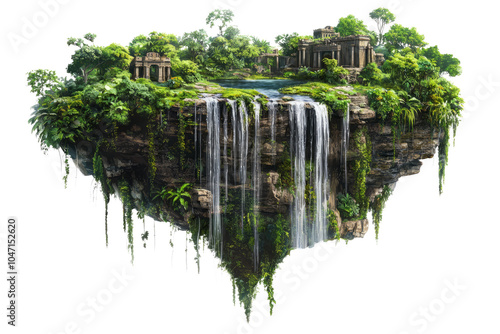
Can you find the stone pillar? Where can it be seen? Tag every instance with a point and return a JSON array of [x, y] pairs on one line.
[[168, 73], [161, 70], [319, 59], [299, 57], [136, 72], [146, 72], [277, 64], [339, 53], [352, 56]]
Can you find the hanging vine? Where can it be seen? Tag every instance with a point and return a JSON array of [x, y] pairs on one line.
[[361, 167], [151, 153], [66, 171], [100, 176], [127, 215], [181, 139], [378, 206]]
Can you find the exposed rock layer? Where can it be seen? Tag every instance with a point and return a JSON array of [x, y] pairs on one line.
[[128, 153]]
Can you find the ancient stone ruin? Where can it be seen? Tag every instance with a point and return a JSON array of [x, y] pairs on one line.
[[152, 66], [352, 52]]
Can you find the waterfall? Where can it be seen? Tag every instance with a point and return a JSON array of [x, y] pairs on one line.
[[213, 170], [240, 148], [272, 105], [256, 175], [195, 143], [298, 158], [309, 141], [320, 181], [304, 234], [226, 166], [345, 144]]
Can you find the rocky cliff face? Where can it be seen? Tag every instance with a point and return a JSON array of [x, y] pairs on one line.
[[253, 200], [179, 156], [390, 159]]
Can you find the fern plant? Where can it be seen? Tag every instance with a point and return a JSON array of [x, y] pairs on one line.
[[178, 196], [347, 206]]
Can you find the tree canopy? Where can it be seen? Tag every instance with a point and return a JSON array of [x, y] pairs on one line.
[[445, 62], [194, 45], [86, 58], [399, 37], [382, 16], [164, 44], [289, 42], [350, 25], [222, 16], [42, 81]]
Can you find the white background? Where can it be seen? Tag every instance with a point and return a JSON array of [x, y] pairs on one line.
[[427, 241]]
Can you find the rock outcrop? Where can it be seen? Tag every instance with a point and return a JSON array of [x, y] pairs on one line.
[[179, 154]]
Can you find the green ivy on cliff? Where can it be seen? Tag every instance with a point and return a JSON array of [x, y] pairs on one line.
[[360, 167]]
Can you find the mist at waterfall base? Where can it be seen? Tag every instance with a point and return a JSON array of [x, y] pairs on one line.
[[428, 243]]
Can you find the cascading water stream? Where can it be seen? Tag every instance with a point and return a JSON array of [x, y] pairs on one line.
[[226, 163], [320, 181], [318, 125], [298, 157], [256, 175], [345, 144], [272, 106], [196, 162], [213, 171], [239, 152], [309, 139]]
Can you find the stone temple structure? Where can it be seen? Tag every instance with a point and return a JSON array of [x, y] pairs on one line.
[[152, 66], [328, 31], [352, 52], [274, 61]]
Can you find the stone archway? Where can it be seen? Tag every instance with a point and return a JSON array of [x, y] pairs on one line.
[[325, 55], [152, 66], [154, 73]]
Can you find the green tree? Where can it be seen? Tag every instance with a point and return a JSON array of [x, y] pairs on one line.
[[399, 37], [231, 33], [194, 45], [351, 26], [446, 62], [86, 59], [382, 16], [289, 42], [262, 45], [41, 81], [188, 70], [138, 46], [243, 49], [223, 16], [235, 53], [164, 44], [114, 56], [220, 54]]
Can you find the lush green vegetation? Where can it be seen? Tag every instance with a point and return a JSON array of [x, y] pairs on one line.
[[236, 253], [347, 206], [101, 101], [178, 196], [377, 207], [382, 17]]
